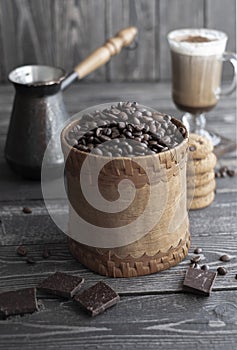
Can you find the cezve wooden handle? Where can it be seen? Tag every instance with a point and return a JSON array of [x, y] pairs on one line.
[[103, 54]]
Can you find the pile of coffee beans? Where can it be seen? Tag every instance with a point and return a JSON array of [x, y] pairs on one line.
[[125, 130], [224, 171], [196, 259]]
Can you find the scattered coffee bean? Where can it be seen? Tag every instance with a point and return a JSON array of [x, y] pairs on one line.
[[230, 172], [22, 250], [205, 267], [27, 210], [224, 171], [221, 271], [195, 259], [197, 250], [225, 258], [30, 260]]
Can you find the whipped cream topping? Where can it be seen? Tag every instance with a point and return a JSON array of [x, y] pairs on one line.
[[180, 41]]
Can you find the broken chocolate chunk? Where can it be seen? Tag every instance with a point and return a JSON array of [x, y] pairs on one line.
[[18, 302], [199, 281], [61, 284], [97, 298]]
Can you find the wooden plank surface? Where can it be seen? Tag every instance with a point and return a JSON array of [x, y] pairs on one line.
[[63, 32], [53, 32], [136, 322], [139, 64], [153, 312]]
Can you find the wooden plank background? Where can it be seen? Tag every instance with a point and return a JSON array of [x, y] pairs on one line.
[[63, 32]]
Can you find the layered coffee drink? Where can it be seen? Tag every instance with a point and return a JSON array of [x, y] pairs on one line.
[[196, 68]]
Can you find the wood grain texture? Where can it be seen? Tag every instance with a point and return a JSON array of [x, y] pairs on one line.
[[53, 32], [226, 23], [139, 64], [136, 322], [63, 32], [153, 312]]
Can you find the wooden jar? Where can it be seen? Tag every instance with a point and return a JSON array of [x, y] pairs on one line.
[[166, 243]]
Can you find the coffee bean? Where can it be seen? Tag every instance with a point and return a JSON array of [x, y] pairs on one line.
[[205, 267], [236, 276], [225, 258], [197, 250], [195, 259], [138, 114], [222, 271], [129, 148], [115, 134], [107, 131], [158, 117], [82, 148], [97, 151], [22, 250], [197, 266], [128, 133], [27, 210], [217, 174], [152, 128], [121, 125], [166, 140], [182, 131], [231, 173], [104, 138]]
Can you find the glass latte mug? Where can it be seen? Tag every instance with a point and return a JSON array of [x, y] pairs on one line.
[[197, 57]]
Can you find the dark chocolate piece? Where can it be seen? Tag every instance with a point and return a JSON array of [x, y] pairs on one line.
[[18, 302], [199, 281], [61, 284], [97, 298], [22, 250], [222, 271], [26, 210]]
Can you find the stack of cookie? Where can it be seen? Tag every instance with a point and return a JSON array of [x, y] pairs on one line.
[[200, 172]]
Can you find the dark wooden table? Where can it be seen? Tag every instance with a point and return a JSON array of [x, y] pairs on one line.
[[153, 312]]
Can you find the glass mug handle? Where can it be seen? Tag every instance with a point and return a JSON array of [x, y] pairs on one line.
[[232, 58]]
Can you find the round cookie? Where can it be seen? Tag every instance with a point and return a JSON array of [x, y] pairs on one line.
[[203, 190], [202, 165], [200, 179], [201, 202], [199, 146]]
